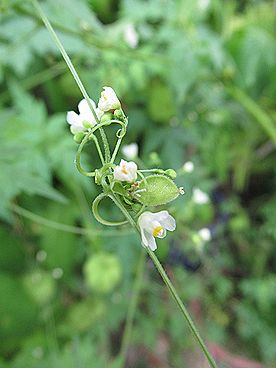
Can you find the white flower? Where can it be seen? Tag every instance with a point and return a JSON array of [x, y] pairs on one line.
[[203, 4], [200, 197], [131, 36], [85, 119], [188, 167], [154, 225], [108, 100], [205, 234], [130, 151], [126, 171]]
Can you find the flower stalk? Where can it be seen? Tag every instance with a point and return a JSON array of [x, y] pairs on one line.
[[119, 183]]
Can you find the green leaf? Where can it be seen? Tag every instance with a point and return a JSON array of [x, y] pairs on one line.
[[159, 189], [118, 188]]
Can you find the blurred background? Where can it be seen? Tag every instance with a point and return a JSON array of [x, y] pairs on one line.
[[197, 80]]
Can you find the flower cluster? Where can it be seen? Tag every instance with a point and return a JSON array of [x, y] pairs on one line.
[[120, 182], [85, 120]]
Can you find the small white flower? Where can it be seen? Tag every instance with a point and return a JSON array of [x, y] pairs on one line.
[[154, 225], [85, 119], [108, 100], [188, 167], [130, 151], [57, 273], [205, 234], [199, 196], [203, 4], [131, 36], [126, 171]]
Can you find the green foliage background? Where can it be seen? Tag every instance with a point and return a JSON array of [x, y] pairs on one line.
[[200, 87]]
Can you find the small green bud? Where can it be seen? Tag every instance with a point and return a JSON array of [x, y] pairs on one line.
[[171, 173], [119, 114], [136, 207], [78, 137], [106, 116], [87, 124], [158, 190]]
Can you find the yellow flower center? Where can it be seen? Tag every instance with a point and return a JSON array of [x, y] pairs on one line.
[[124, 170], [158, 230]]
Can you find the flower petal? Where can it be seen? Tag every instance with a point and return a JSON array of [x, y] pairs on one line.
[[72, 118], [148, 240], [84, 108], [166, 220]]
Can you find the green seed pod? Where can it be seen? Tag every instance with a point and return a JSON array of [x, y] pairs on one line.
[[158, 190]]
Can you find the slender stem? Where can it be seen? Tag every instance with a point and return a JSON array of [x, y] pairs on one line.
[[180, 304], [131, 309], [73, 72], [39, 78], [100, 42], [98, 217], [106, 146], [63, 227], [114, 154], [65, 57], [255, 110], [168, 283], [80, 148], [159, 171]]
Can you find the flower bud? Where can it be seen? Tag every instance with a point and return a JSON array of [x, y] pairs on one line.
[[108, 100], [119, 115], [171, 173], [79, 137], [87, 124], [106, 117]]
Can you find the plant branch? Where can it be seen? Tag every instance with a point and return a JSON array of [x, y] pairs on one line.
[[132, 308], [169, 285]]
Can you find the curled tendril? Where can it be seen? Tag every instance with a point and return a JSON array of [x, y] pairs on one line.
[[90, 135], [95, 211]]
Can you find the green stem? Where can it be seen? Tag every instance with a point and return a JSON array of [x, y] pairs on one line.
[[106, 145], [132, 308], [255, 110], [73, 72], [63, 227], [99, 41], [80, 148], [114, 154], [39, 78], [159, 171], [170, 286], [98, 217]]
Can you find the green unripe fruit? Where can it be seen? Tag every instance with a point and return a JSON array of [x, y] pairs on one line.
[[158, 190]]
